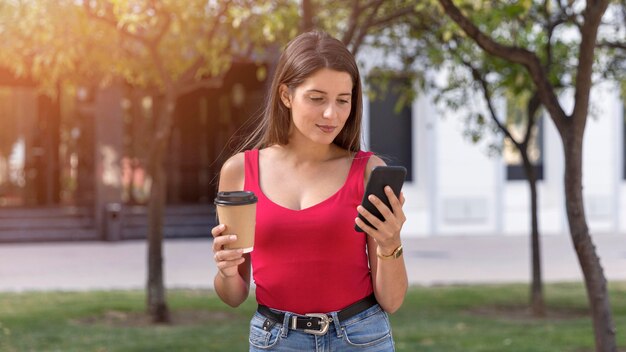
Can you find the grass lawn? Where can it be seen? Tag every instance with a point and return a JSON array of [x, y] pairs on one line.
[[433, 319]]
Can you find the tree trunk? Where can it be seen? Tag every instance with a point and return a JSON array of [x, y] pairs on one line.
[[156, 300], [571, 129], [307, 16], [157, 306], [537, 304], [595, 280], [48, 184]]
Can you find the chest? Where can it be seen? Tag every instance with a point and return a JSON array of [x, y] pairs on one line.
[[300, 188]]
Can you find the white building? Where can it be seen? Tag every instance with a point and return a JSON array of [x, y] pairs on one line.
[[455, 188]]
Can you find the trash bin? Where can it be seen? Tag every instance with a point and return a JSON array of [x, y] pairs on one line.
[[113, 222]]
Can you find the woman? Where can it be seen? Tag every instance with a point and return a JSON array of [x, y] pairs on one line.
[[320, 284]]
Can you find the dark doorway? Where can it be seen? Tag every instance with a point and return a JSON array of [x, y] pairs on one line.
[[390, 123]]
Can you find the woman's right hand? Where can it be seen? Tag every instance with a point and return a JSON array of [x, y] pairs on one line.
[[227, 260]]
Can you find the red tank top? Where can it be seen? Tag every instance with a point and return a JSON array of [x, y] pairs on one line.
[[310, 260]]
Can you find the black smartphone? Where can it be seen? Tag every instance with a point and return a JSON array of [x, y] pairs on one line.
[[381, 176]]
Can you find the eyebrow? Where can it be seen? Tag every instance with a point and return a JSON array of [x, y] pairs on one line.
[[322, 92]]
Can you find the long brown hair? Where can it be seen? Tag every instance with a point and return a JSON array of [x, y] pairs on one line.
[[302, 57]]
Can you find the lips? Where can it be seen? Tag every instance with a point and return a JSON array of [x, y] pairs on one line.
[[326, 128]]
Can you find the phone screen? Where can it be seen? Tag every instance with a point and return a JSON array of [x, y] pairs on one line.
[[381, 176]]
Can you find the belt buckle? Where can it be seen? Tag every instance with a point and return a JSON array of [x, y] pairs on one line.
[[324, 322]]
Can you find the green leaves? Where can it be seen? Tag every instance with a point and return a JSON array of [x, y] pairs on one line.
[[146, 43]]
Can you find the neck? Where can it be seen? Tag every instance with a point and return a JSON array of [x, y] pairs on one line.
[[303, 154], [305, 151]]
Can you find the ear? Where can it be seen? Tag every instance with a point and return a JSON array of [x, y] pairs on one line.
[[285, 95]]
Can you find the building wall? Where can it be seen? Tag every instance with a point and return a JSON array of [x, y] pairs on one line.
[[459, 190]]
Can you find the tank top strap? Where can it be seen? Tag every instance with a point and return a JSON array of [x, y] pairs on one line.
[[251, 181], [356, 176]]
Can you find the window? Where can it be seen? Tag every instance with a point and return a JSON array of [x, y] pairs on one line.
[[390, 123], [19, 153], [513, 159], [516, 123]]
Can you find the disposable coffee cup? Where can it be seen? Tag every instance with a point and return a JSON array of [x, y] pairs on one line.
[[237, 211]]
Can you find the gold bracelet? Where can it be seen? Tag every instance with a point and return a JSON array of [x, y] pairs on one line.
[[394, 255]]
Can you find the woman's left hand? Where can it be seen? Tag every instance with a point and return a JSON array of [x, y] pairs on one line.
[[387, 232]]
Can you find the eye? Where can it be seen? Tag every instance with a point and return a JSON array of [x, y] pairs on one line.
[[317, 99], [343, 101]]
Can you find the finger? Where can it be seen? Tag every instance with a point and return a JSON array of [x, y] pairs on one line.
[[396, 206], [382, 208], [220, 241], [223, 265], [228, 255], [217, 230], [366, 228], [393, 200], [370, 217], [402, 201]]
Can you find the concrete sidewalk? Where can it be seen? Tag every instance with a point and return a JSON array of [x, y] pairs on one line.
[[189, 264]]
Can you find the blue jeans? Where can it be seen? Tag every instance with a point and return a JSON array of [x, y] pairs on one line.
[[368, 331]]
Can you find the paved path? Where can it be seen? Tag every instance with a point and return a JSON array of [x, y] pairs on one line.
[[188, 263]]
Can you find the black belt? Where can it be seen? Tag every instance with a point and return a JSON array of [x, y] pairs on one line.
[[314, 323]]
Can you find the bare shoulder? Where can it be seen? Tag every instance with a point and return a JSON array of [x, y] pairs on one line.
[[232, 174], [272, 152], [373, 161]]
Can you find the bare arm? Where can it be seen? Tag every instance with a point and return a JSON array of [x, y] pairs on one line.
[[232, 282], [389, 276]]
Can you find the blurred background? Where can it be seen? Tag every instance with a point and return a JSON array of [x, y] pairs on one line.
[[116, 116], [104, 102]]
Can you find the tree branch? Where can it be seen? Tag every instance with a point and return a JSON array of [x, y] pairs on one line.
[[206, 83], [365, 27], [149, 43], [161, 33], [478, 76], [516, 55], [110, 20], [189, 76], [307, 16], [160, 66], [593, 16], [374, 23], [393, 16], [352, 23], [611, 45], [531, 110]]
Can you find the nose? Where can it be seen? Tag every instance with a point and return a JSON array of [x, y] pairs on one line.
[[329, 112]]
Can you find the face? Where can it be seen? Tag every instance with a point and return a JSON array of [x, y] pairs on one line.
[[320, 106]]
